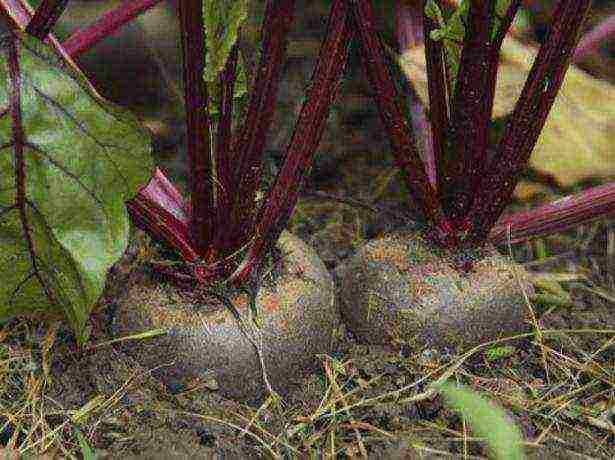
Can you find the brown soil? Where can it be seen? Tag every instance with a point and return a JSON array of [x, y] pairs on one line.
[[557, 387]]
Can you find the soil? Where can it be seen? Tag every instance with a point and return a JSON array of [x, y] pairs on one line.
[[557, 388], [137, 417]]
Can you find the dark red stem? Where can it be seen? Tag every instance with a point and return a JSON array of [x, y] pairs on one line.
[[197, 126], [224, 199], [46, 16], [438, 95], [470, 115], [406, 156], [308, 129], [159, 209], [250, 142], [84, 39], [496, 45], [597, 202], [409, 34], [528, 118], [591, 40]]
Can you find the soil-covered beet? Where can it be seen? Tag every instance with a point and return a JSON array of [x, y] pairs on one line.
[[212, 344], [398, 289]]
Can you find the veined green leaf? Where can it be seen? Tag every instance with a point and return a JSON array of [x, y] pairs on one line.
[[222, 21], [83, 159]]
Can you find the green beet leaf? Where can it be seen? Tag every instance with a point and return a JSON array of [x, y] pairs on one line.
[[83, 158], [222, 21], [452, 31]]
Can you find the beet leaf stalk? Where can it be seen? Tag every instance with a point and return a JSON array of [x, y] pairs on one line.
[[409, 34], [220, 228], [406, 155], [198, 126], [493, 184], [222, 241], [84, 39], [436, 86], [527, 120], [250, 142], [591, 41], [471, 106], [47, 14], [307, 132], [557, 216], [470, 114], [49, 11]]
